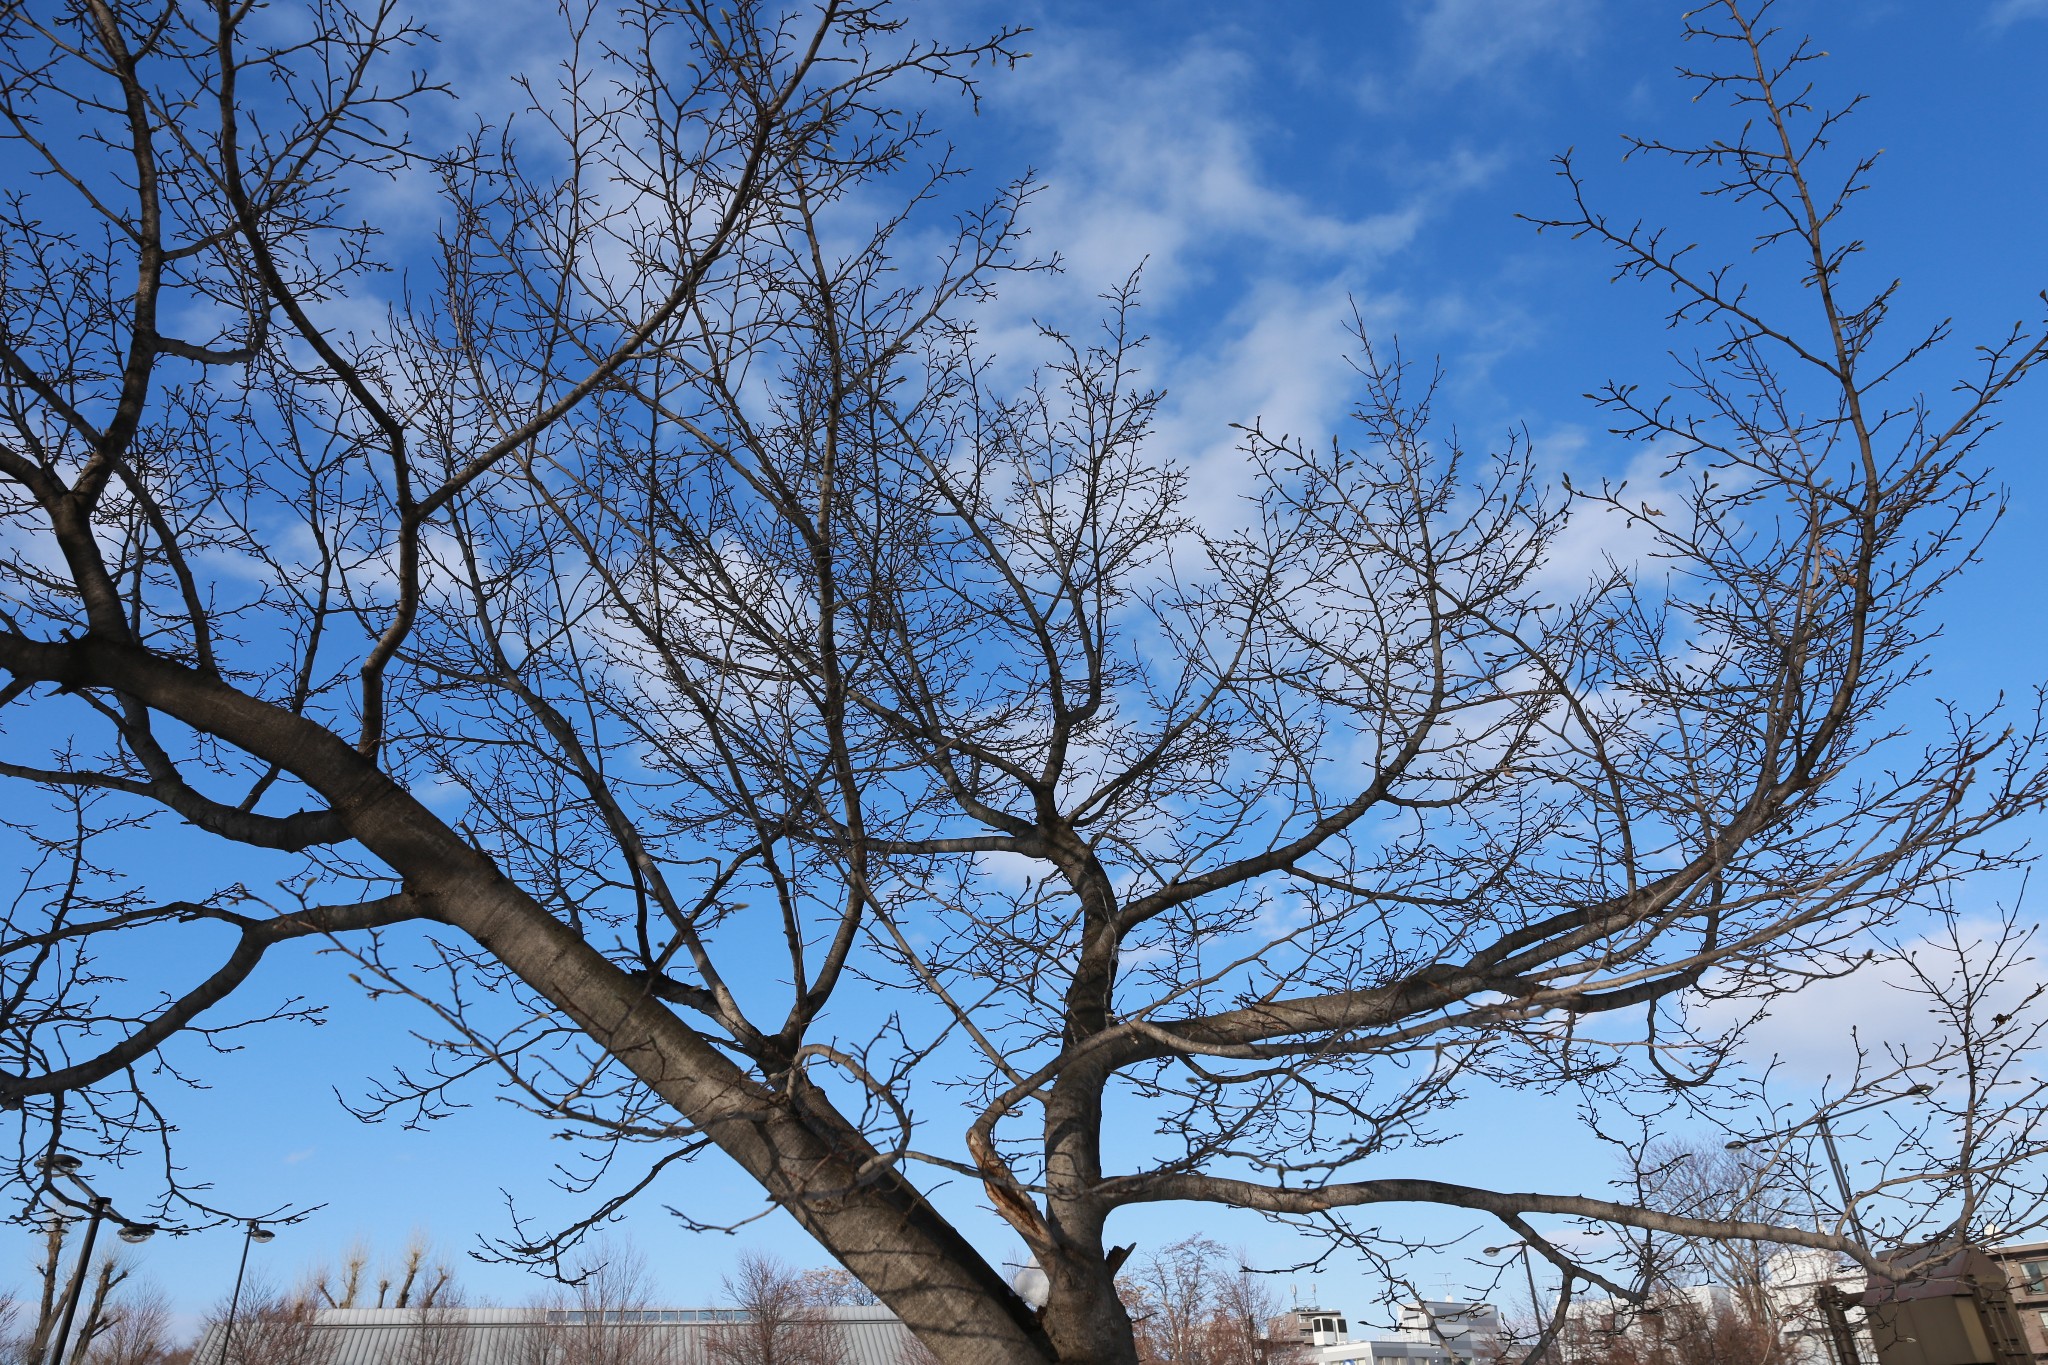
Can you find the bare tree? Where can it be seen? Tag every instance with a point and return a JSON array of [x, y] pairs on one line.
[[1680, 1330], [1706, 1180], [99, 1313], [139, 1334], [114, 1318], [678, 524], [777, 1321], [271, 1327], [419, 1280], [603, 1322], [1193, 1304], [436, 1335], [345, 1289], [1969, 1161], [1243, 1305], [832, 1287], [53, 1288], [427, 1287]]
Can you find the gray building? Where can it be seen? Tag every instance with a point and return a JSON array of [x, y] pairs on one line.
[[551, 1336]]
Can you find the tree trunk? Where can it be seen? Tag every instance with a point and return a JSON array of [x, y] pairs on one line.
[[879, 1227]]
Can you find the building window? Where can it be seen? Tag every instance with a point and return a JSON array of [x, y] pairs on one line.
[[625, 1316], [2035, 1274]]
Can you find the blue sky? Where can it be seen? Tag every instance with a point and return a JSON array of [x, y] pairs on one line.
[[1271, 165]]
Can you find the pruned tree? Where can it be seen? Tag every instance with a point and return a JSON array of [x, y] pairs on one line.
[[139, 1334], [419, 1279], [29, 1339], [114, 1319], [100, 1313], [671, 579]]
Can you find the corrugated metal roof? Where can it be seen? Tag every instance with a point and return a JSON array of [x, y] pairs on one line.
[[525, 1336]]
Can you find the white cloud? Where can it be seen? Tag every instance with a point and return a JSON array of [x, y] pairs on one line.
[[1463, 40], [2013, 11], [1161, 161], [1812, 1035]]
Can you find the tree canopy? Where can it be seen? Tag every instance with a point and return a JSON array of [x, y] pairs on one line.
[[779, 642]]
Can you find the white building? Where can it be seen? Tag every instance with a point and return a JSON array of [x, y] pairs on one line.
[[1792, 1278], [1466, 1331], [1431, 1332]]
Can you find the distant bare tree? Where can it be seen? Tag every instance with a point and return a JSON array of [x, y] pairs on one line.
[[1244, 1305], [600, 1322], [32, 1345], [673, 522], [99, 1314], [418, 1279], [14, 1339], [832, 1287], [1171, 1294], [436, 1335], [1706, 1180], [779, 1321], [140, 1333], [1195, 1304], [1680, 1331], [345, 1288], [271, 1327], [117, 1321]]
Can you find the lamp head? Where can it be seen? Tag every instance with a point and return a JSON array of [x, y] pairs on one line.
[[1921, 1089], [1492, 1251], [136, 1232], [59, 1163], [1737, 1145], [259, 1233]]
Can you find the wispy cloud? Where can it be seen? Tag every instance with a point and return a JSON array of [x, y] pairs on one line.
[[1464, 40], [1161, 163], [2013, 11], [1170, 162]]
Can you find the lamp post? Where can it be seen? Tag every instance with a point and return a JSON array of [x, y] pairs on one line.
[[1521, 1249], [1827, 1138], [98, 1206], [253, 1232]]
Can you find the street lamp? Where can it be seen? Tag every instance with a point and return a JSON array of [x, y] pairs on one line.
[[1535, 1304], [254, 1232], [98, 1207], [1827, 1137]]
